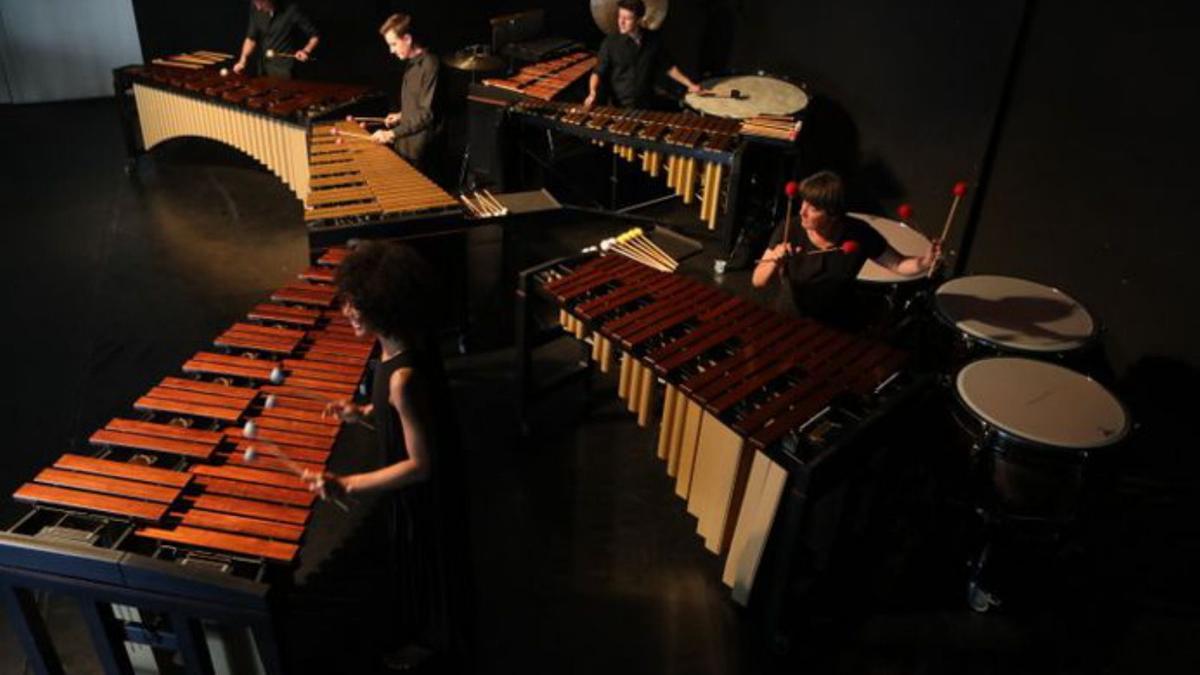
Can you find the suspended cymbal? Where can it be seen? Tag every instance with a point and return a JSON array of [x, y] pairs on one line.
[[605, 14], [474, 59]]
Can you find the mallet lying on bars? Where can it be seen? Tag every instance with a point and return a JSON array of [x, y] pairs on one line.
[[635, 245], [250, 432], [277, 378]]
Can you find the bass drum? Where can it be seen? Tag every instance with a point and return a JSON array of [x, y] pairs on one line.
[[1036, 432], [745, 96]]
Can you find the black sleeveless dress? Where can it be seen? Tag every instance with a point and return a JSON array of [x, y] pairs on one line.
[[430, 541]]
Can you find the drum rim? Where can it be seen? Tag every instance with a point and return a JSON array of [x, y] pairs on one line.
[[900, 279], [1066, 347], [759, 72], [1017, 437]]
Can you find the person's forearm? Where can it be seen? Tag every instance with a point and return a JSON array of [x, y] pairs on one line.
[[763, 273], [247, 49], [391, 477], [676, 74], [593, 84], [911, 266], [312, 44]]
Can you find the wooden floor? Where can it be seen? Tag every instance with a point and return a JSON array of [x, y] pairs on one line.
[[585, 561]]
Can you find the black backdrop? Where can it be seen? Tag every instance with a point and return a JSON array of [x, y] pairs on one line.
[[1068, 118]]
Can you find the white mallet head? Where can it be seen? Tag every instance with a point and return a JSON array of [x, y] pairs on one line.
[[276, 376], [249, 454], [270, 53], [250, 429], [271, 401], [224, 72]]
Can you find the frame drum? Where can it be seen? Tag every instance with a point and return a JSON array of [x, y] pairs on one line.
[[1016, 315], [757, 95], [1034, 426]]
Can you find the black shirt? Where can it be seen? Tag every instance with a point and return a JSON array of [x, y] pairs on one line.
[[629, 69], [419, 107], [286, 30], [822, 285]]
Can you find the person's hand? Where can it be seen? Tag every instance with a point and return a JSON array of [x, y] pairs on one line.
[[391, 120], [383, 136], [301, 55], [694, 88], [589, 101], [931, 256], [784, 249], [344, 410], [327, 484], [239, 66]]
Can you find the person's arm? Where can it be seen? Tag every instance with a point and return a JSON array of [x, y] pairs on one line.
[[306, 26], [306, 52], [593, 89], [247, 49], [909, 266], [603, 67], [408, 397], [676, 74], [768, 267]]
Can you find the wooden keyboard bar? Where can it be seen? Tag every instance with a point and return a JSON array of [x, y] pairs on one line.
[[244, 394], [164, 431], [126, 470], [211, 520], [153, 443], [108, 485], [221, 541], [181, 408], [245, 475], [90, 501], [252, 508]]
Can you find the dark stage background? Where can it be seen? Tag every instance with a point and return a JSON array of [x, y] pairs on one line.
[[1067, 118]]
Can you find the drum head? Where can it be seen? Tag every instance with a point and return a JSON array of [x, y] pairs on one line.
[[757, 95], [1042, 403], [1014, 313], [903, 238]]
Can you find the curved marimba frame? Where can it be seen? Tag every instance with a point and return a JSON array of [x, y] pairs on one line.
[[279, 145]]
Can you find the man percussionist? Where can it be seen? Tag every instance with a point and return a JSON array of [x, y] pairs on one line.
[[630, 62], [412, 129], [276, 28]]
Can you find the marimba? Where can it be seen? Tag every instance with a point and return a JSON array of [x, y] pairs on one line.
[[547, 79], [751, 401], [169, 513], [266, 118], [355, 182]]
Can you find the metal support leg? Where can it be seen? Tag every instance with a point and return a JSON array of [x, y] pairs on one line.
[[108, 638], [25, 619], [192, 645]]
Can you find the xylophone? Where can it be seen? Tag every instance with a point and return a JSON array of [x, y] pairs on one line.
[[355, 181], [752, 402], [547, 79], [686, 148], [267, 118], [178, 509]]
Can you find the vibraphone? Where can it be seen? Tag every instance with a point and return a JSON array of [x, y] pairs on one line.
[[755, 406], [267, 118], [356, 183], [685, 148], [169, 515], [547, 79]]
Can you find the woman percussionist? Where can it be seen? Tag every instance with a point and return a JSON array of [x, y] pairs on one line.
[[385, 290]]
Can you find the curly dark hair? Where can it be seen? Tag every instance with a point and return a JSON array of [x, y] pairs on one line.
[[826, 191], [636, 6], [390, 284]]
